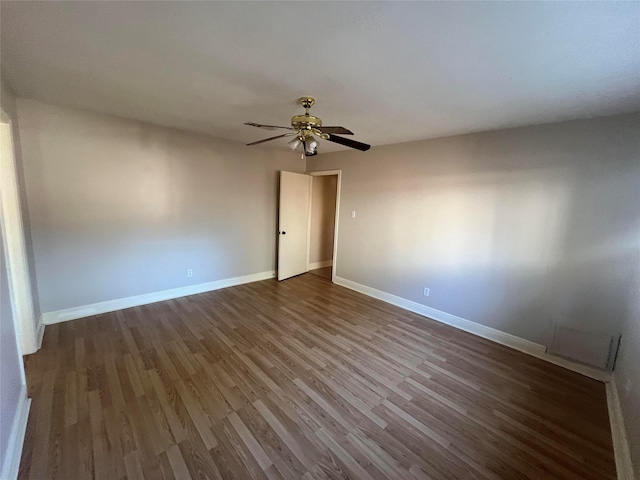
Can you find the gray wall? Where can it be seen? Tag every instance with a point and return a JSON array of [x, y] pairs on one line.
[[513, 229], [323, 215], [121, 208]]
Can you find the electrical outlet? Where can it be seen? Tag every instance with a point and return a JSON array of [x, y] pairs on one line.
[[426, 292], [189, 273]]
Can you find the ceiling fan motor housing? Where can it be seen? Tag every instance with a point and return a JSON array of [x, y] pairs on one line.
[[305, 122]]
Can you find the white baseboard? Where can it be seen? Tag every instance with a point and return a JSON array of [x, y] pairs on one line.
[[483, 331], [443, 317], [11, 463], [326, 263], [624, 466], [591, 372], [34, 343], [58, 316]]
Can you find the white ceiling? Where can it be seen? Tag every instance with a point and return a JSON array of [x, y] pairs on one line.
[[392, 72]]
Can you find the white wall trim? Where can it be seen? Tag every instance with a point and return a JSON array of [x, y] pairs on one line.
[[309, 214], [16, 250], [624, 466], [58, 316], [595, 373], [443, 317], [12, 455], [326, 263], [39, 333], [483, 331]]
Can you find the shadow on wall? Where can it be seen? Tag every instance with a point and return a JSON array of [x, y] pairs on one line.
[[599, 251], [515, 250], [120, 208]]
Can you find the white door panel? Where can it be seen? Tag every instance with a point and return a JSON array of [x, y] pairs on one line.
[[293, 224]]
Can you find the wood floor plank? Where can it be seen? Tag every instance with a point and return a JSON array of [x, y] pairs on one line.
[[286, 436], [178, 465], [439, 439], [352, 465], [301, 379], [284, 460], [232, 455], [133, 465], [197, 414], [381, 459], [252, 444]]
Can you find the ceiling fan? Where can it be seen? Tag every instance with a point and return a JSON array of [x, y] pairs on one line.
[[304, 127]]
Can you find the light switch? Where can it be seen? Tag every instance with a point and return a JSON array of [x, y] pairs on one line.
[[353, 214]]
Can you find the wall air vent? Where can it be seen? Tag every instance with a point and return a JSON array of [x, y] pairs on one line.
[[595, 349]]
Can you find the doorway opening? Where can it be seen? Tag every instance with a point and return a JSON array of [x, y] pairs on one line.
[[296, 255], [323, 212]]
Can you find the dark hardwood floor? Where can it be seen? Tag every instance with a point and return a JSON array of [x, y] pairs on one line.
[[322, 272], [301, 379]]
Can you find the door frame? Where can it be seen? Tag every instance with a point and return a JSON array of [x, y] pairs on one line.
[[28, 328], [325, 173]]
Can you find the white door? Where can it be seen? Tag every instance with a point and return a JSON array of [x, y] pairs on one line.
[[293, 224]]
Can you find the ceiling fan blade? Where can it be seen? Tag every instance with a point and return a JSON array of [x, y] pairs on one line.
[[363, 147], [272, 138], [340, 130], [269, 127]]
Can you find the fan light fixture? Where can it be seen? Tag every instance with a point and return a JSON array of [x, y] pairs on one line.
[[294, 144], [311, 146]]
